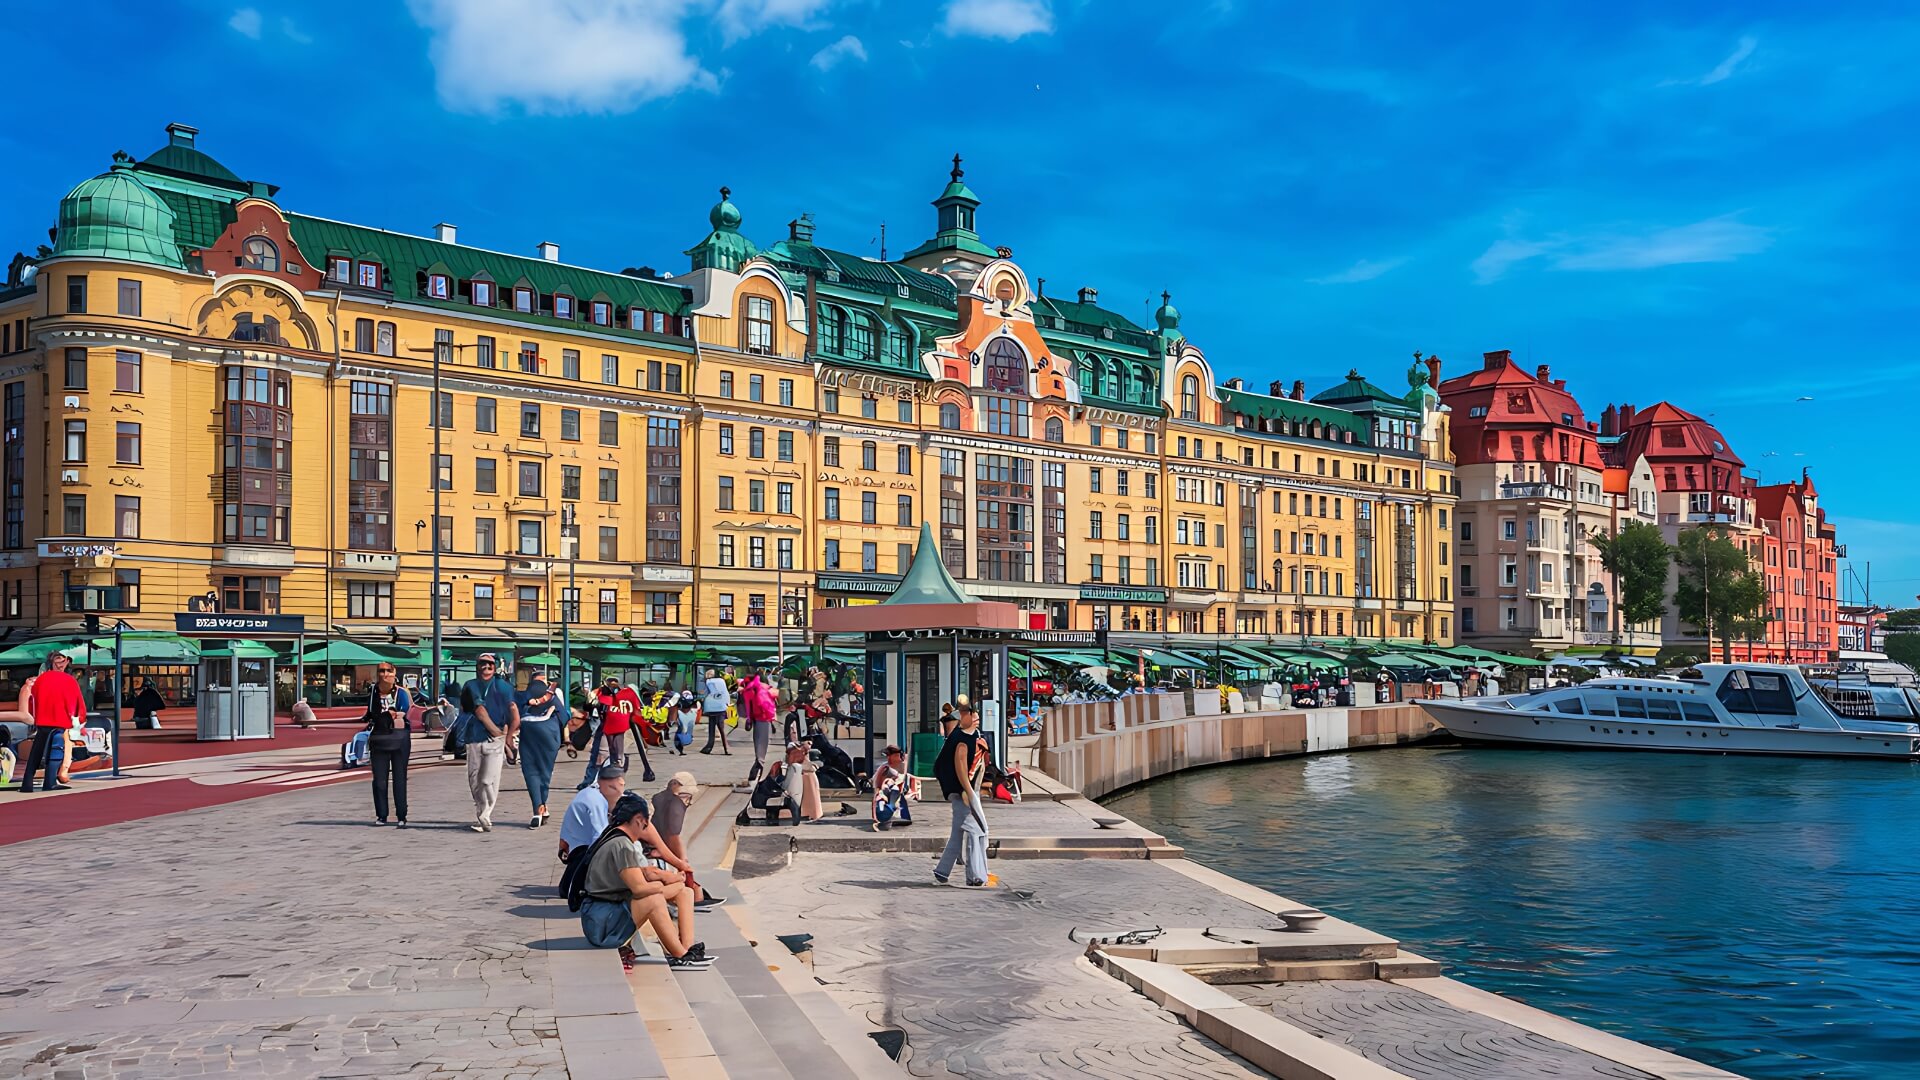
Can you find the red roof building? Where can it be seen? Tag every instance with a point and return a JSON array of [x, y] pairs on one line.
[[1798, 560]]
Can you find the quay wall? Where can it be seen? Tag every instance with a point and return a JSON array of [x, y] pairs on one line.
[[1100, 747]]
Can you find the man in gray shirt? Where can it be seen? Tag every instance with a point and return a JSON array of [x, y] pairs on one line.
[[670, 819]]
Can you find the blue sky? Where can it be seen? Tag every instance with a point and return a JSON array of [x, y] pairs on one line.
[[1709, 203]]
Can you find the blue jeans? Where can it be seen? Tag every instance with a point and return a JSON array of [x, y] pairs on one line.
[[969, 835], [539, 747], [895, 802]]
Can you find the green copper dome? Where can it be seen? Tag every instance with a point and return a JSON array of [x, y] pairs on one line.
[[1168, 317], [115, 216], [724, 248]]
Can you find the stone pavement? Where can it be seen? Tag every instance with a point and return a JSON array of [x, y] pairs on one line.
[[1421, 1036], [284, 936], [1011, 998]]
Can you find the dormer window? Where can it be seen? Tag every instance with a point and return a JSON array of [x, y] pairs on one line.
[[368, 275], [659, 322], [339, 269], [259, 253], [523, 300], [636, 319], [439, 286], [602, 313], [482, 293], [562, 306]]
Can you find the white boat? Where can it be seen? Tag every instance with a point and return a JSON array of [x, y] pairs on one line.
[[1728, 709]]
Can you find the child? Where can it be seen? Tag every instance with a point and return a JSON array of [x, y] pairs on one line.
[[893, 788]]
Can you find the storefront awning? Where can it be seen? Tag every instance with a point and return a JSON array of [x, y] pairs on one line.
[[1168, 658]]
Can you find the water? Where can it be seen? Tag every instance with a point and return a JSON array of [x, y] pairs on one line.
[[1759, 915]]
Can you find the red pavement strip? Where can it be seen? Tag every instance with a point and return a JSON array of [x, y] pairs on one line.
[[32, 817]]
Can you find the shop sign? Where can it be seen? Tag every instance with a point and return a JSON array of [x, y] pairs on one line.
[[215, 624], [858, 584], [371, 561], [674, 575], [78, 551], [1123, 594]]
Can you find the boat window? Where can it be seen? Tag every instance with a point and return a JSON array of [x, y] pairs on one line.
[[1600, 705], [1699, 712], [1662, 708], [1631, 707], [1569, 705], [1762, 692]]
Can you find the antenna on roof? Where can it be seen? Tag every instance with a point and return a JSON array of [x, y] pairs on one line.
[[883, 241]]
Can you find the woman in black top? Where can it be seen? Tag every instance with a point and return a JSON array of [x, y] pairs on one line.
[[388, 742]]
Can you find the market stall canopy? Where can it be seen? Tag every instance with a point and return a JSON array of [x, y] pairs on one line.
[[341, 652], [33, 652], [1494, 658], [1395, 660], [547, 659], [1169, 658], [146, 648], [242, 648]]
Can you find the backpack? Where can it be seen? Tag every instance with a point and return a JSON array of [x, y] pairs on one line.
[[574, 887]]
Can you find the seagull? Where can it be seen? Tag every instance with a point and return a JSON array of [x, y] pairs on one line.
[[1771, 453], [1803, 399]]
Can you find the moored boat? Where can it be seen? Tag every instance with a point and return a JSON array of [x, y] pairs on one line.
[[1727, 709]]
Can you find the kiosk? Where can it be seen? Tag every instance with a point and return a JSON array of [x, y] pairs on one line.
[[234, 680]]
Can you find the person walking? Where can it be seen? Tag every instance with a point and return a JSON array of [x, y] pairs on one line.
[[389, 744], [757, 710], [628, 704], [57, 706], [539, 742], [958, 769], [713, 704], [147, 705], [616, 719], [486, 711], [686, 713]]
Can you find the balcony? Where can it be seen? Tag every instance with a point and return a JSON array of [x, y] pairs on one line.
[[1537, 490]]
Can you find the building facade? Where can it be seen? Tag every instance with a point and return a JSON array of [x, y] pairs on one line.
[[1799, 563], [1534, 490], [215, 401]]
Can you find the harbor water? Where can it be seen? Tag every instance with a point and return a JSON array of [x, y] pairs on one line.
[[1761, 915]]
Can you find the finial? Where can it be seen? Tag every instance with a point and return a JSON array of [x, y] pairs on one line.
[[725, 192], [1416, 356], [1354, 374], [958, 172], [121, 157], [1166, 297]]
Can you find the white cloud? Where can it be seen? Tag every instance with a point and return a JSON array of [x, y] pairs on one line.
[[294, 33], [1724, 69], [1501, 255], [1362, 270], [583, 56], [1004, 19], [1715, 240], [246, 22], [743, 18], [847, 48], [1720, 239]]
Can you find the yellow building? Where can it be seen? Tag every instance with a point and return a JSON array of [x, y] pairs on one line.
[[213, 401]]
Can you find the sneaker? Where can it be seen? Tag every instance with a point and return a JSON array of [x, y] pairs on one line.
[[943, 880], [879, 826], [972, 884], [476, 827], [901, 823], [697, 951], [711, 901], [403, 823], [379, 821], [688, 963]]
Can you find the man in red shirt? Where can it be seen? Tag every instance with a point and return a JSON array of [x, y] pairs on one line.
[[625, 712], [57, 703]]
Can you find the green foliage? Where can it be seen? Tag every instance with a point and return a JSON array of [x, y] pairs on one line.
[[1718, 589], [1904, 617], [1904, 648], [1637, 556]]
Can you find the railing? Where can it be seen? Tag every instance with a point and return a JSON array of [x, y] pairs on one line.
[[1535, 491]]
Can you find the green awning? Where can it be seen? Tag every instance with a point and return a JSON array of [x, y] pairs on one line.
[[1396, 660], [1016, 667], [340, 652], [1243, 656], [33, 652], [153, 649], [1173, 658], [245, 650], [1077, 659], [547, 659], [1486, 656], [647, 656]]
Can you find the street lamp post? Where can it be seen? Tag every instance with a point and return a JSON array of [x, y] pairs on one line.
[[570, 536], [441, 351]]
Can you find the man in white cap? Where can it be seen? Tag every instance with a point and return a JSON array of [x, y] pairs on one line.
[[670, 819], [487, 711]]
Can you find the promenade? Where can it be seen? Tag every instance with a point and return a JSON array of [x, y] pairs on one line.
[[286, 936]]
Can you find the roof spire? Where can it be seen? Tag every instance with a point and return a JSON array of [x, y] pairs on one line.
[[958, 172]]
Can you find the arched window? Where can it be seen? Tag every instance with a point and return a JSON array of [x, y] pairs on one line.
[[260, 254], [383, 343], [1189, 398], [1086, 371], [950, 416], [1006, 366], [1056, 431], [1316, 430], [833, 330], [869, 455]]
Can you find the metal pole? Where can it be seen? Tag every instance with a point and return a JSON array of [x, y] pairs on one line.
[[300, 667], [437, 350], [568, 529], [779, 613], [119, 694]]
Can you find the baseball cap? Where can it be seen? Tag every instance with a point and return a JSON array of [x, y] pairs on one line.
[[611, 772], [487, 658], [688, 785], [630, 806], [891, 750]]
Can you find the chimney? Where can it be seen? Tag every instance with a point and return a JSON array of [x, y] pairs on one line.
[[181, 134], [1299, 389], [446, 233], [1496, 359], [1433, 372], [1089, 294], [800, 229], [1234, 383], [1543, 373], [1559, 384], [550, 251], [1610, 421], [1626, 418], [1276, 388]]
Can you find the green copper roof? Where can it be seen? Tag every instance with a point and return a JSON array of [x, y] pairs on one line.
[[724, 248], [407, 257], [927, 580], [866, 275], [1263, 407], [1167, 318], [115, 216], [956, 225], [1358, 391]]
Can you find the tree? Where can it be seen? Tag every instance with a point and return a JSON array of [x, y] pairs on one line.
[[1637, 557], [1718, 590]]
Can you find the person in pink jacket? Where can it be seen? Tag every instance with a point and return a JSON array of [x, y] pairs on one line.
[[757, 711]]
